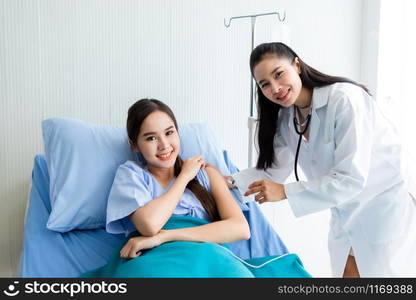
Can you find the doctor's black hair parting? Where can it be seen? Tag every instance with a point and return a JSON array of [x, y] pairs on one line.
[[268, 111], [136, 115]]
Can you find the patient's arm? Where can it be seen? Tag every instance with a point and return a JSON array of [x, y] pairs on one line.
[[232, 226], [228, 179], [151, 217]]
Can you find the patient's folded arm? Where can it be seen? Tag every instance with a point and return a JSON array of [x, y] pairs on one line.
[[151, 217]]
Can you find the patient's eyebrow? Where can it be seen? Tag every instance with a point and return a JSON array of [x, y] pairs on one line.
[[153, 133], [271, 73]]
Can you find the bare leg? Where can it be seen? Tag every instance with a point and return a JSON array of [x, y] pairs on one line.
[[351, 270]]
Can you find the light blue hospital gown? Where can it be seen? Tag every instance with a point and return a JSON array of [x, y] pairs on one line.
[[134, 186]]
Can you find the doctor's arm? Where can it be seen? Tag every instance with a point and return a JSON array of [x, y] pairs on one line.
[[231, 227], [353, 132], [249, 181]]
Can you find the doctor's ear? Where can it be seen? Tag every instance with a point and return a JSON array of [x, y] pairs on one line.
[[296, 64]]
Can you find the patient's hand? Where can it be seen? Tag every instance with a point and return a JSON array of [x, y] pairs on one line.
[[132, 248], [191, 166]]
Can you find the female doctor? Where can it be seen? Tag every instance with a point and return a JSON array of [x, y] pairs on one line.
[[351, 156]]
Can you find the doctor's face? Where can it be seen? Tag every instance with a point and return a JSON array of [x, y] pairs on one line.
[[158, 141], [278, 79]]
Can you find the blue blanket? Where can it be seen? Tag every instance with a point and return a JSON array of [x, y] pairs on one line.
[[181, 259], [73, 253]]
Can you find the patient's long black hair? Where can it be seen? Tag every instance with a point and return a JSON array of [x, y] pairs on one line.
[[137, 113], [268, 111]]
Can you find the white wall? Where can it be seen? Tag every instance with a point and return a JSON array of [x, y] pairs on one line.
[[370, 45], [396, 65], [92, 59]]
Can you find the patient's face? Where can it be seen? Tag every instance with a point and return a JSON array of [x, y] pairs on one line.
[[158, 141]]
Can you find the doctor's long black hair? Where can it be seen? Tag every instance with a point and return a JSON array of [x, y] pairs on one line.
[[137, 113], [268, 111]]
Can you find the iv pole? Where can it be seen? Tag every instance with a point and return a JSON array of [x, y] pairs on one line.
[[251, 119]]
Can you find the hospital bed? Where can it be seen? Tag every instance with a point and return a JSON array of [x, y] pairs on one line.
[[50, 250]]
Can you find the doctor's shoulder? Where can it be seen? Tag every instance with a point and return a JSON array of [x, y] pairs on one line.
[[343, 95]]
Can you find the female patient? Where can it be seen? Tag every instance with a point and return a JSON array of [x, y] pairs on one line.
[[146, 193]]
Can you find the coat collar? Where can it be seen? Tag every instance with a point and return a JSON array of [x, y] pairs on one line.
[[319, 99]]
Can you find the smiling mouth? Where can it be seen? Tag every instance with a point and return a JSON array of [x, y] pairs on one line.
[[165, 156], [283, 98]]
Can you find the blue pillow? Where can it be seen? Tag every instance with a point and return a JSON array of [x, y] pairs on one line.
[[82, 160]]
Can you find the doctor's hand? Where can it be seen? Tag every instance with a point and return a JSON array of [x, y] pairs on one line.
[[266, 191]]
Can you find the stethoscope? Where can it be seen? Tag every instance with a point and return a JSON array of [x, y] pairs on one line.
[[296, 124]]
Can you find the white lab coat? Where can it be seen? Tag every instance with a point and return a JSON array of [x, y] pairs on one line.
[[353, 164]]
